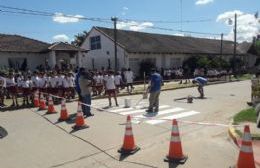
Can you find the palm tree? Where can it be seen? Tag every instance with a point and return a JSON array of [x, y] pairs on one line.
[[79, 38]]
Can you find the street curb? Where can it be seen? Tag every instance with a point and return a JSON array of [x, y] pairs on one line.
[[167, 89], [234, 136]]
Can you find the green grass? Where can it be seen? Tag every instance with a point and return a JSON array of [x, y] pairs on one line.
[[247, 115], [254, 136], [242, 77]]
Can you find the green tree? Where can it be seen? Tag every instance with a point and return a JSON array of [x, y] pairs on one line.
[[203, 62], [79, 38], [145, 66], [191, 62]]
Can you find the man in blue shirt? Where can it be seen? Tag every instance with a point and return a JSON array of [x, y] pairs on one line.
[[201, 82], [154, 89], [77, 86]]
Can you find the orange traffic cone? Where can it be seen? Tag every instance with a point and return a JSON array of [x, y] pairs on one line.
[[42, 103], [51, 109], [175, 151], [246, 156], [36, 99], [129, 146], [63, 113], [80, 122]]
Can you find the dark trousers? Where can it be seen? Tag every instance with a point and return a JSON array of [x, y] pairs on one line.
[[86, 99]]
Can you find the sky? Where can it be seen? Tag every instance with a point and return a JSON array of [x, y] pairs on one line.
[[174, 17]]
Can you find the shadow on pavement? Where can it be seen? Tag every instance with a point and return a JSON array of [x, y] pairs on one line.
[[173, 165], [123, 157], [72, 118], [13, 108], [3, 132]]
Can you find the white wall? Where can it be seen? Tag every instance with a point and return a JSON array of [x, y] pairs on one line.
[[101, 56], [162, 60], [33, 59]]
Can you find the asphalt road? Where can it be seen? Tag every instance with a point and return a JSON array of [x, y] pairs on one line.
[[36, 140]]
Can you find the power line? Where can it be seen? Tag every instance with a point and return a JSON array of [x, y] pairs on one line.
[[23, 11], [165, 21], [44, 13]]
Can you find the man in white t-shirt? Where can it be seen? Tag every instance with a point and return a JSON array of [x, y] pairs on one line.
[[71, 83], [110, 87], [60, 84], [129, 77], [118, 81]]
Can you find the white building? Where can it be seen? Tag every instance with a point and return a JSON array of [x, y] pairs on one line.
[[15, 50], [165, 51]]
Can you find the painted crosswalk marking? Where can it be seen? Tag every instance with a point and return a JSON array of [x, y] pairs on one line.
[[141, 110], [175, 116], [162, 112], [138, 113]]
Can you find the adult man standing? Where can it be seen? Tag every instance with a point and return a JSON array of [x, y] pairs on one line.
[[154, 89], [85, 83], [77, 87], [201, 82]]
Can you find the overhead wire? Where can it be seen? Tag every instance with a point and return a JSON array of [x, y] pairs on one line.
[[15, 10]]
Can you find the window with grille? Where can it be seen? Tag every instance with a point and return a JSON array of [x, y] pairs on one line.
[[95, 43]]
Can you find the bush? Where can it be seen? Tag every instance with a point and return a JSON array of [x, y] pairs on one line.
[[206, 62]]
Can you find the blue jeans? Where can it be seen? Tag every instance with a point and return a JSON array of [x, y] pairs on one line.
[[87, 100]]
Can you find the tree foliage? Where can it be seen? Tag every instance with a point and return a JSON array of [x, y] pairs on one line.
[[146, 66], [79, 38], [206, 62]]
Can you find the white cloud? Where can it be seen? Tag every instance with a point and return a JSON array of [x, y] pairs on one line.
[[203, 2], [135, 26], [247, 25], [61, 37], [124, 11], [179, 34], [125, 8], [61, 18]]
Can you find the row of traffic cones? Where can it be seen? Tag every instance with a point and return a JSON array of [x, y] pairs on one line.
[[175, 155], [175, 150], [64, 116], [245, 159]]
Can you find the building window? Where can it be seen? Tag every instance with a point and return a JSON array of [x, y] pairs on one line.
[[95, 43], [17, 63]]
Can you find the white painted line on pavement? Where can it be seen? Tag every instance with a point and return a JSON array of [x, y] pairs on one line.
[[176, 116], [142, 110], [173, 110]]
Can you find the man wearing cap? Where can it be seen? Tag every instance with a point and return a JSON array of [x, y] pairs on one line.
[[201, 82], [154, 89]]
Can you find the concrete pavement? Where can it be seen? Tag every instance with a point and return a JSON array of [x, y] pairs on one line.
[[36, 140]]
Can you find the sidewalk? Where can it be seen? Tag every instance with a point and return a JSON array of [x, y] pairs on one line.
[[256, 143]]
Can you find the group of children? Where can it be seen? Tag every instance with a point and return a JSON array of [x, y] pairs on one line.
[[18, 85], [59, 83]]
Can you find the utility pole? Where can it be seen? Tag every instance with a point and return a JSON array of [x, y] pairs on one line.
[[235, 45], [221, 45], [114, 19]]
